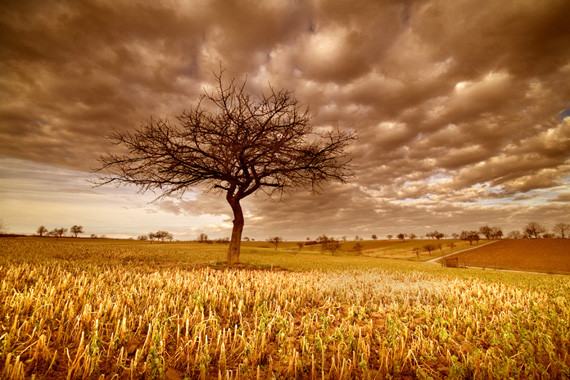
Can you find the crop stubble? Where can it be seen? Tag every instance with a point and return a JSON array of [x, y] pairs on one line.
[[73, 319]]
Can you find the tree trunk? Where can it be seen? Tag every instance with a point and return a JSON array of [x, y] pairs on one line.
[[235, 242]]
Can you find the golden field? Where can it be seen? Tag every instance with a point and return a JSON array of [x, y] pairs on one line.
[[80, 308]]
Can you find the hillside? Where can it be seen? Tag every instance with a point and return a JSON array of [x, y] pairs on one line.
[[538, 255]]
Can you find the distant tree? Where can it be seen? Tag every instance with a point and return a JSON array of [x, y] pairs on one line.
[[93, 236], [344, 238], [440, 247], [163, 235], [328, 243], [358, 248], [412, 236], [534, 230], [429, 248], [332, 245], [76, 230], [485, 231], [152, 236], [416, 250], [451, 245], [275, 241], [514, 235], [42, 230], [389, 237], [357, 238], [300, 246], [203, 238], [402, 236], [547, 235], [323, 239], [561, 229], [246, 239], [374, 237], [58, 232], [455, 235], [469, 236], [235, 142], [142, 237], [435, 235], [496, 233]]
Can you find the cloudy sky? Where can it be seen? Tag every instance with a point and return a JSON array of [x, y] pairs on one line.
[[462, 109]]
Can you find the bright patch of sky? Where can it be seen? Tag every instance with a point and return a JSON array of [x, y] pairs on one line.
[[46, 195]]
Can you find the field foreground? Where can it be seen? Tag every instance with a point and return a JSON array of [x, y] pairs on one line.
[[84, 316]]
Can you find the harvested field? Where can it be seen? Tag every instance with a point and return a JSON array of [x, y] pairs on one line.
[[93, 309], [538, 255]]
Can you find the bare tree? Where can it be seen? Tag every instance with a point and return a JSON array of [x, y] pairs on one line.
[[232, 141], [534, 230], [203, 238], [42, 230], [429, 248], [496, 233], [469, 236], [416, 250], [435, 235], [561, 229], [275, 241], [76, 230], [514, 235], [486, 231], [58, 232], [163, 235], [358, 248], [389, 237], [330, 243]]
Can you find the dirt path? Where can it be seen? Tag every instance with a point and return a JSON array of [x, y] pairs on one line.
[[434, 261]]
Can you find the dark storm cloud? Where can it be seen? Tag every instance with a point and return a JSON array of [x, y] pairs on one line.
[[454, 102]]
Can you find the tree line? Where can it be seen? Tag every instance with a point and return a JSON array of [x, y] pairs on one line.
[[161, 236], [60, 232], [532, 230]]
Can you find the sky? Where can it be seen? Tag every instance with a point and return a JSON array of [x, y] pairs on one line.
[[462, 110]]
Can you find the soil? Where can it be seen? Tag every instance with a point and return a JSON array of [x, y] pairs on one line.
[[537, 255]]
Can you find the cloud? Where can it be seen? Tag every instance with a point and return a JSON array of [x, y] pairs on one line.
[[454, 102]]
